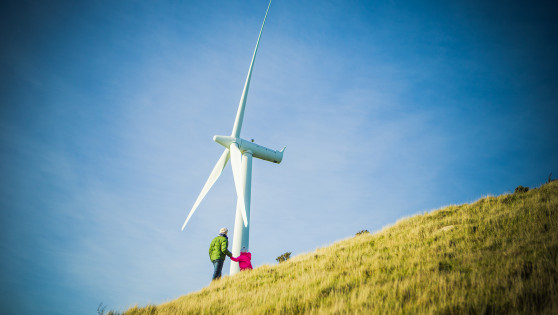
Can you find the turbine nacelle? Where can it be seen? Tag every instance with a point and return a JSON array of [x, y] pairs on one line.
[[257, 150]]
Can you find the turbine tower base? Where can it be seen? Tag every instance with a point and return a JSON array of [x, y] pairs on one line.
[[241, 237]]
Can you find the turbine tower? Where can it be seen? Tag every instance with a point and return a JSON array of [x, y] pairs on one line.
[[240, 152]]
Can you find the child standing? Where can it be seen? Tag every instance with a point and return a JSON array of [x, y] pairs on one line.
[[243, 259]]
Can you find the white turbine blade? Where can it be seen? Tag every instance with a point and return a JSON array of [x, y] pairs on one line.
[[217, 170], [240, 113], [236, 163]]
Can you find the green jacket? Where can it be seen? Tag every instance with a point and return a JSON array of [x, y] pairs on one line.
[[218, 248]]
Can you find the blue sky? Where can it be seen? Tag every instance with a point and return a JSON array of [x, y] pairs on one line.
[[387, 109]]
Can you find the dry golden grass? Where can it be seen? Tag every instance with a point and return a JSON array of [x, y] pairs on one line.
[[496, 255]]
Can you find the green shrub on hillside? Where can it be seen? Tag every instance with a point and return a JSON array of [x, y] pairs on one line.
[[521, 189], [550, 178], [283, 257], [362, 232]]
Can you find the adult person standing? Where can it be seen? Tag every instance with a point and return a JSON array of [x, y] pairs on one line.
[[218, 251]]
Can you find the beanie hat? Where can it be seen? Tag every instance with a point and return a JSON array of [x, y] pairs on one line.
[[223, 231]]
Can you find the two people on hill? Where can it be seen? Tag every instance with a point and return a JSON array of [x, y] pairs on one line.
[[218, 250]]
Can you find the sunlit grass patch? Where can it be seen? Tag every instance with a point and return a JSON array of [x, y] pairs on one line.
[[494, 255]]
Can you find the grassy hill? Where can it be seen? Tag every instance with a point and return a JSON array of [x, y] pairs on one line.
[[496, 255]]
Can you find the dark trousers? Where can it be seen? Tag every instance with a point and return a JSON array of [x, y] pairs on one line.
[[218, 267]]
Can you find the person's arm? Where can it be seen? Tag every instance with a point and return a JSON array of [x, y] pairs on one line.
[[210, 247], [237, 259], [224, 248]]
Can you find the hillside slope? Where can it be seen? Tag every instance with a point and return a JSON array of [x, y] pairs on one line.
[[496, 255]]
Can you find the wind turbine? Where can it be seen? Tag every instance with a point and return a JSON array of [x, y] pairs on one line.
[[240, 152]]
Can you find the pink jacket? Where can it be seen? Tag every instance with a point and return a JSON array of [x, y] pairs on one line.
[[243, 260]]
